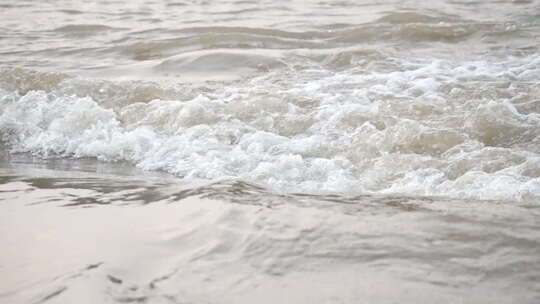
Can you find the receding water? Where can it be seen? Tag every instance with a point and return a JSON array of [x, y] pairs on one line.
[[257, 151]]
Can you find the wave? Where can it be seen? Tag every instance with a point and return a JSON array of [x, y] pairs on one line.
[[433, 127]]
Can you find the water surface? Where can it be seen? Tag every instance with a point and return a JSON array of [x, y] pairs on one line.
[[254, 151]]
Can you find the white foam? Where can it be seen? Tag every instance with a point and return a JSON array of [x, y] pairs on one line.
[[431, 128]]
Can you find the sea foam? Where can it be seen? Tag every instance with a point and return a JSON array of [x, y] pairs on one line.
[[432, 127]]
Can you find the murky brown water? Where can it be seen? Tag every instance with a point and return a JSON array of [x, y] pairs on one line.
[[79, 237], [255, 151]]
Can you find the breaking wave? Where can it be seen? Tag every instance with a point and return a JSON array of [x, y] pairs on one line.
[[430, 126]]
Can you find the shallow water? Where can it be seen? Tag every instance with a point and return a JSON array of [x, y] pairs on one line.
[[232, 151], [73, 236]]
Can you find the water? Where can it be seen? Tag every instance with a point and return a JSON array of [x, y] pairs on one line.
[[252, 151]]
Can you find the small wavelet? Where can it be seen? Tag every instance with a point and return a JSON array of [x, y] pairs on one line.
[[219, 65], [84, 29]]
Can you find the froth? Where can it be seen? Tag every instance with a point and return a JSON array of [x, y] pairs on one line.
[[431, 127]]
